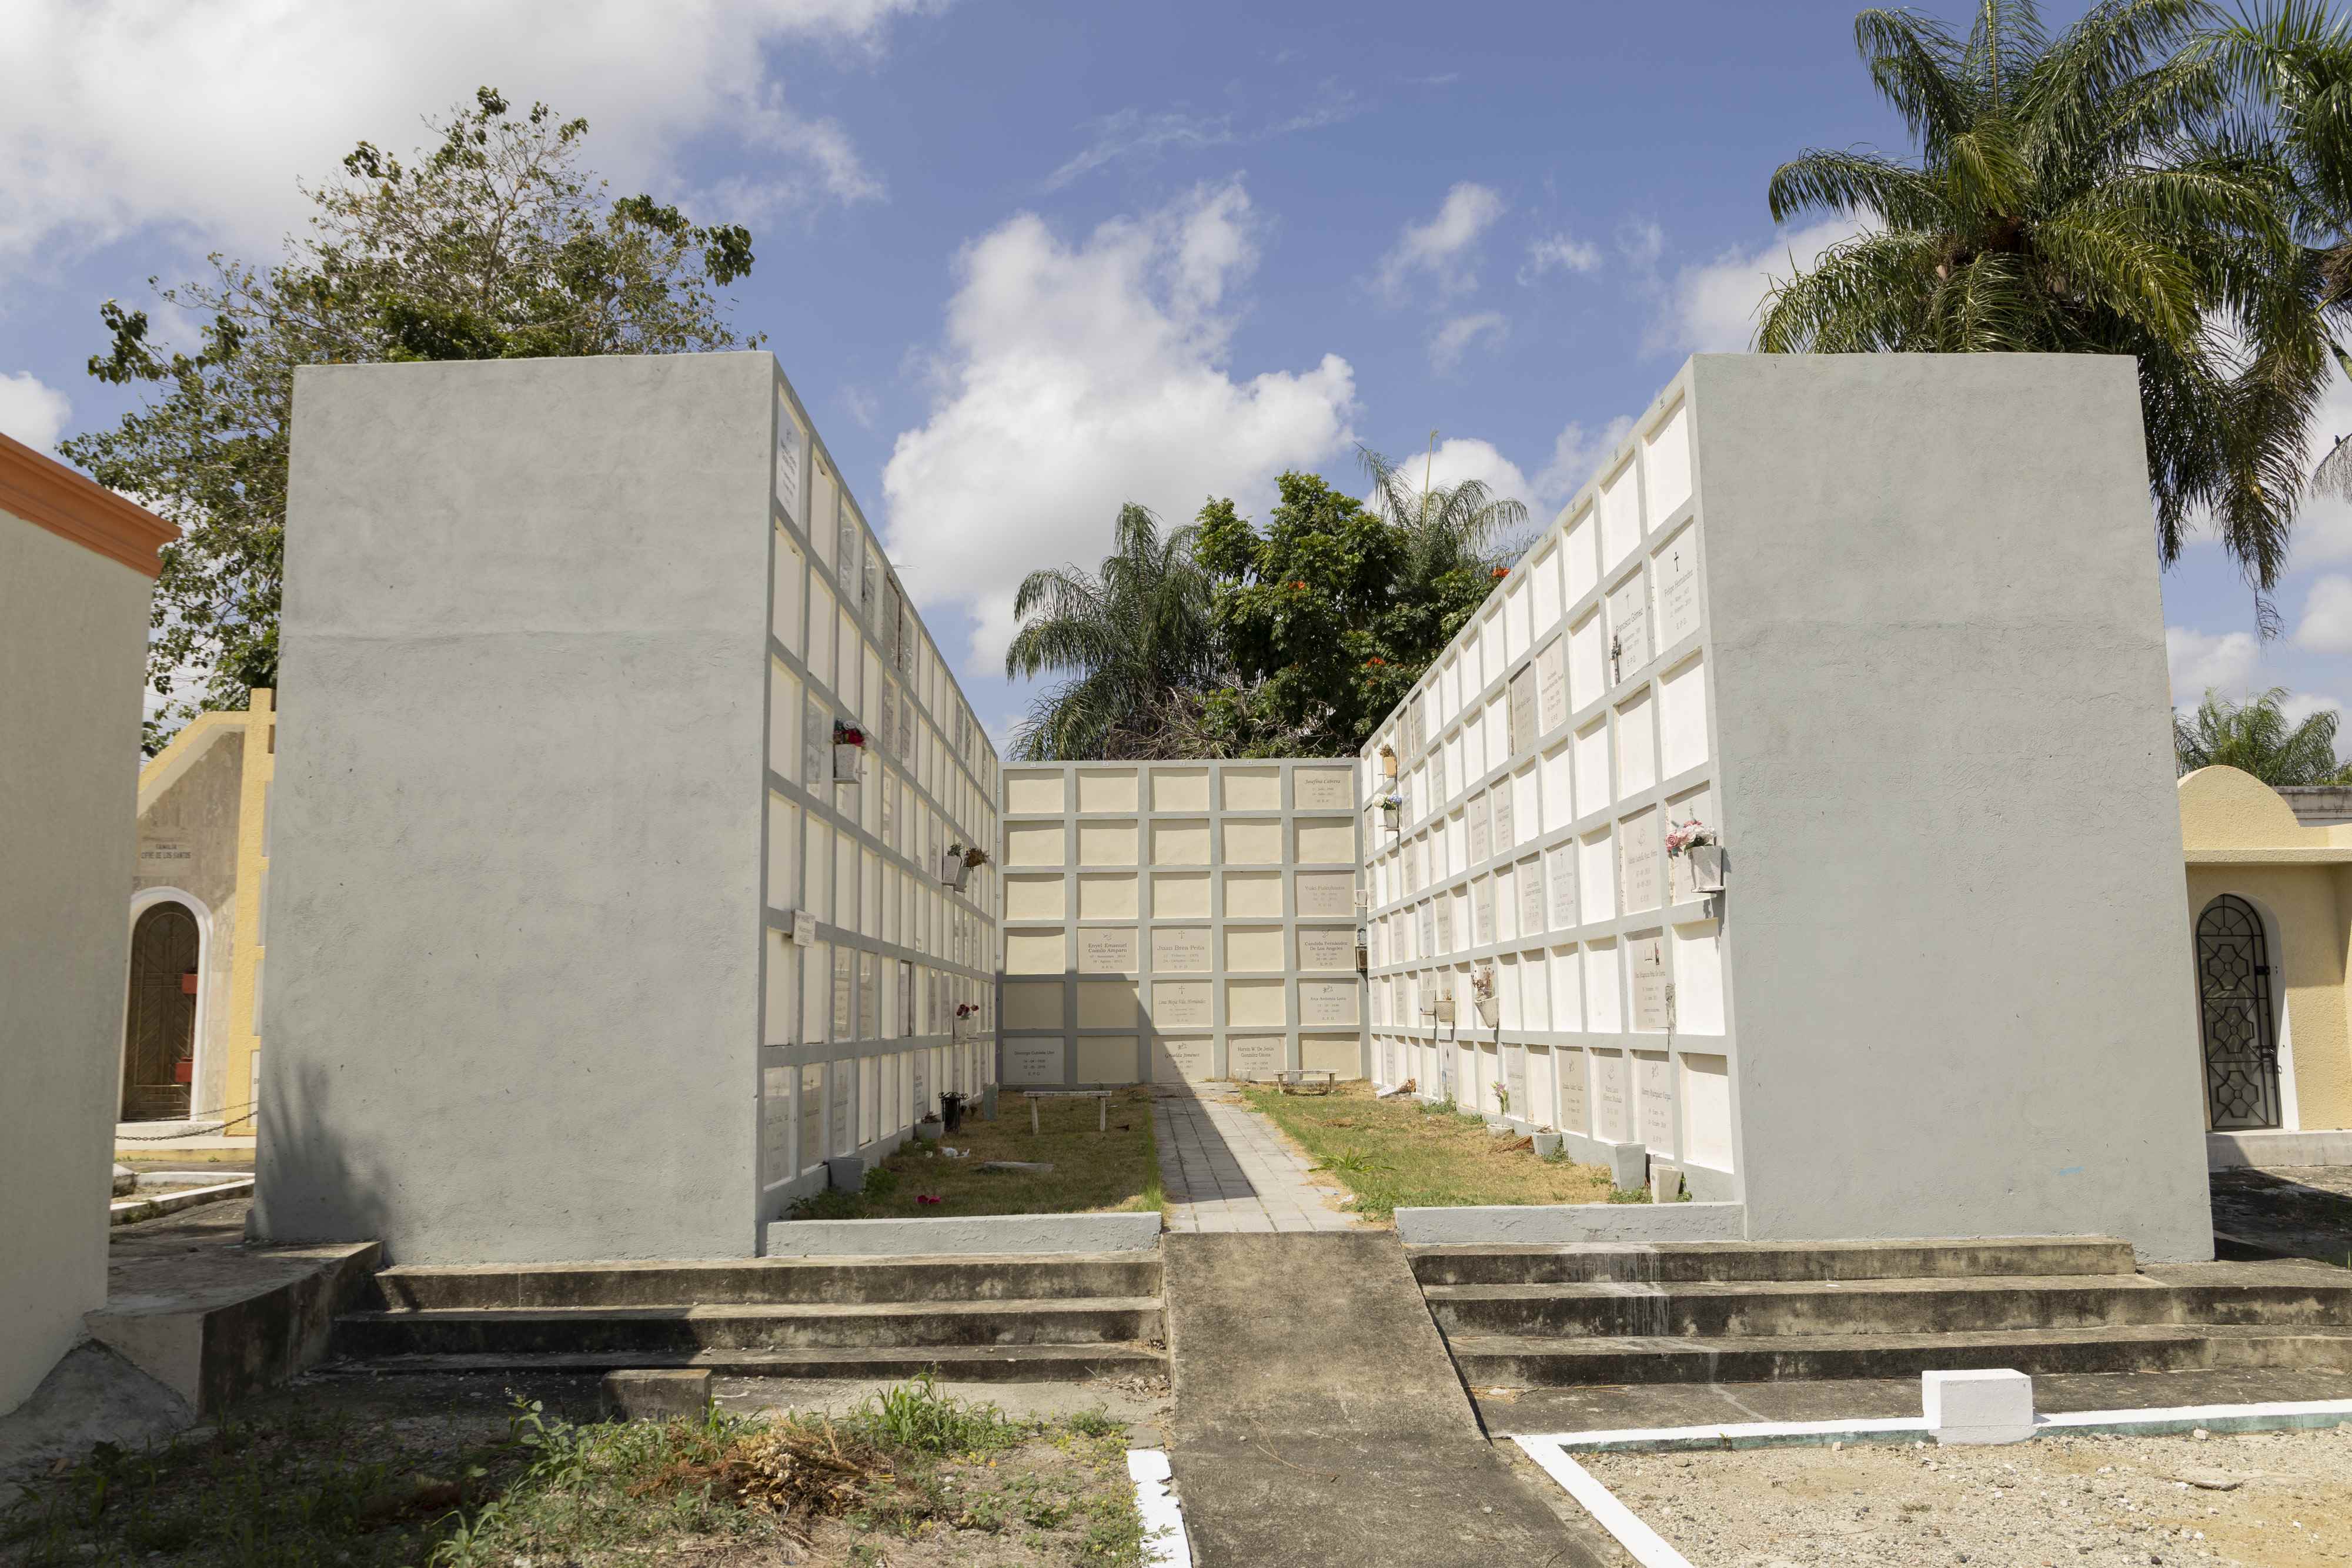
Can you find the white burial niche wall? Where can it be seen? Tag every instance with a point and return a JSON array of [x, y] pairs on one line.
[[880, 961], [1522, 874], [1176, 921]]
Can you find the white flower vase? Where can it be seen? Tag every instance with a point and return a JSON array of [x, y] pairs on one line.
[[1489, 1011], [848, 763], [1705, 867]]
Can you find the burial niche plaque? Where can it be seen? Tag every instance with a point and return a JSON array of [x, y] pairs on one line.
[[1523, 709], [1326, 947], [1180, 1004], [1677, 569], [1322, 790], [1638, 849], [1629, 625], [1107, 950], [1563, 886], [1036, 1061], [1326, 1002], [1179, 949], [1253, 1056], [1324, 892], [1649, 962], [1551, 685]]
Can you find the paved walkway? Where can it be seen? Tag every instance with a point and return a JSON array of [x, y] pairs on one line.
[[1228, 1168]]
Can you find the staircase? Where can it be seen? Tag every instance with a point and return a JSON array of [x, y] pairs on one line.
[[1534, 1316], [1002, 1319]]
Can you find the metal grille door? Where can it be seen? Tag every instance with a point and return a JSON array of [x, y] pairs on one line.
[[160, 1027], [2234, 988]]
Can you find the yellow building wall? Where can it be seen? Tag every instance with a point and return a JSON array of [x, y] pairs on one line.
[[252, 870], [2237, 836]]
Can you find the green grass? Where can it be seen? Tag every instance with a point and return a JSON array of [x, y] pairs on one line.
[[306, 1482], [1400, 1153], [1093, 1172]]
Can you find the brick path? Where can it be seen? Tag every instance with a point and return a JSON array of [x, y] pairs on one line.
[[1228, 1168]]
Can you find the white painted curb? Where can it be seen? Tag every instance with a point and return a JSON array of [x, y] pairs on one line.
[[1647, 1546], [1163, 1517]]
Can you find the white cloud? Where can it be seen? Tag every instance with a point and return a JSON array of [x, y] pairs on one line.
[[33, 414], [1559, 253], [1452, 340], [1576, 454], [2326, 625], [2200, 660], [1458, 458], [1712, 307], [1076, 376], [202, 117], [1445, 247], [2300, 705]]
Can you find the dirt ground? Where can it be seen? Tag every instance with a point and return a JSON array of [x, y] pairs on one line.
[[2261, 1499]]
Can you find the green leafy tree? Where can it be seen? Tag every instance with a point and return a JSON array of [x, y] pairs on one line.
[[1135, 644], [2090, 192], [493, 244], [2254, 735], [1333, 609]]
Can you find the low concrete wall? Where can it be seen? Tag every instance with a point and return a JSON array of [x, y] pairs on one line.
[[2323, 1146], [980, 1233], [1560, 1224]]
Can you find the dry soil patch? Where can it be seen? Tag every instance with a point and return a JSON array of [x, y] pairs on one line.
[[2095, 1502]]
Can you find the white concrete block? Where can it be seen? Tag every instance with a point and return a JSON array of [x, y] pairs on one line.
[[1985, 1406]]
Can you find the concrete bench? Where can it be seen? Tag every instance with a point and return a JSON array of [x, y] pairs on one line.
[[1101, 1097], [1302, 1079]]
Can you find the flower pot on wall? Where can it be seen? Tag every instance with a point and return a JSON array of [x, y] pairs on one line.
[[1490, 1010], [1705, 867], [848, 763], [929, 1129]]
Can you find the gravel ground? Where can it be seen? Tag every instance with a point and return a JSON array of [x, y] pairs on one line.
[[2100, 1502]]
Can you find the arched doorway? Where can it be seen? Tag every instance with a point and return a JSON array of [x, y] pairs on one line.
[[2233, 999], [159, 1035]]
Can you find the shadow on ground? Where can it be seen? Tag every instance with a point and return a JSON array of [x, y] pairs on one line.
[[2284, 1213]]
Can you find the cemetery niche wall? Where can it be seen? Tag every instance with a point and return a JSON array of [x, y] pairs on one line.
[[1167, 922], [612, 835], [1883, 628]]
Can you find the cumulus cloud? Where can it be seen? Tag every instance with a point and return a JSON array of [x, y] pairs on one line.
[[2326, 624], [2202, 661], [33, 414], [1458, 458], [1712, 307], [1577, 453], [2300, 705], [1559, 253], [1074, 377], [1455, 338], [114, 117], [1445, 248]]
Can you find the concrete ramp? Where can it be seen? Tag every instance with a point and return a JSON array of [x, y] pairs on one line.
[[1319, 1420]]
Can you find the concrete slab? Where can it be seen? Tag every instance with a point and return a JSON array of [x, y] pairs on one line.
[[1306, 1435], [93, 1396], [993, 1234], [213, 1319]]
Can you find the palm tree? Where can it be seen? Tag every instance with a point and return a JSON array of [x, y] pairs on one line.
[[1132, 641], [2255, 735], [2089, 193], [2292, 63], [1445, 528]]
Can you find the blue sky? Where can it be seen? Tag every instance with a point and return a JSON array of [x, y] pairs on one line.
[[1025, 262]]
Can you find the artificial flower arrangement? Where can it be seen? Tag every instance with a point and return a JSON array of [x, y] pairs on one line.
[[1702, 848], [1687, 836]]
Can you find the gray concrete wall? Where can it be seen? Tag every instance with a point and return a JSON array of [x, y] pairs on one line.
[[73, 627], [1954, 899], [512, 996]]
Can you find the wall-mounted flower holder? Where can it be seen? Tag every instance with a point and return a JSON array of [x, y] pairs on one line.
[[1701, 850], [849, 753], [955, 867], [1481, 995]]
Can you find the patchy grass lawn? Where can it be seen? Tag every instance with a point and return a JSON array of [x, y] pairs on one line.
[[1399, 1153], [1093, 1172], [306, 1479]]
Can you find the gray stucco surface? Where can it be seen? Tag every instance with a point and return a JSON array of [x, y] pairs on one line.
[[515, 920], [1954, 897], [976, 1233], [72, 646], [1566, 1224]]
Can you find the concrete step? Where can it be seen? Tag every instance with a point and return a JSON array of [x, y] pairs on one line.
[[1508, 1361], [786, 1326], [1790, 1308], [1732, 1261], [950, 1363], [735, 1281]]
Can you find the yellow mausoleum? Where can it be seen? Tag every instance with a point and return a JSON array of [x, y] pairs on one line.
[[2270, 909]]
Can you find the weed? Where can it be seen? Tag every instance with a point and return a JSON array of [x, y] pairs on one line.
[[1353, 1161], [917, 1415], [1096, 1424], [1629, 1195]]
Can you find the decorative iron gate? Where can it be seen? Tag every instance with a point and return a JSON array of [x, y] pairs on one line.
[[160, 1027], [2233, 992]]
